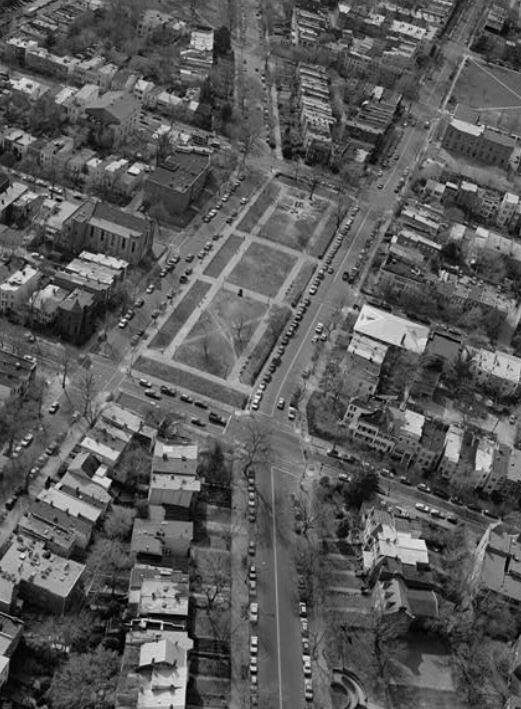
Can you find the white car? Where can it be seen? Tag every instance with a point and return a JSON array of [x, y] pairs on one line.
[[302, 610], [422, 508], [292, 413], [319, 328], [254, 645], [253, 665], [254, 405], [27, 440], [281, 403], [254, 612], [306, 664]]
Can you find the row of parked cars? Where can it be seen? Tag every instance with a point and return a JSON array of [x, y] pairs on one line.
[[222, 201], [165, 390], [306, 656]]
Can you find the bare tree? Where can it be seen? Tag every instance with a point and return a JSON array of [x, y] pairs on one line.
[[214, 581], [239, 326], [257, 447], [307, 514], [90, 407], [341, 208]]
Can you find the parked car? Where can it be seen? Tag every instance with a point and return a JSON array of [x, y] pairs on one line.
[[254, 612], [153, 394], [167, 390], [53, 408], [145, 383]]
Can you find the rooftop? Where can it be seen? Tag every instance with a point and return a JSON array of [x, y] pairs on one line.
[[26, 560], [158, 592], [177, 459], [71, 504], [366, 348], [498, 364], [391, 329]]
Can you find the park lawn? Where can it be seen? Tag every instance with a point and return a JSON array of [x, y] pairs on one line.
[[295, 220], [239, 316], [487, 89], [192, 381], [180, 315], [221, 334], [223, 256], [207, 348], [266, 198], [262, 269]]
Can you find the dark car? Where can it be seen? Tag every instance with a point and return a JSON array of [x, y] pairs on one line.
[[183, 279], [215, 418], [197, 422], [200, 404], [152, 394], [167, 390], [10, 503], [405, 481], [442, 494], [345, 276]]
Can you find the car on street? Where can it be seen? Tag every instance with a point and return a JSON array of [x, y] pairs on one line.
[[27, 440], [52, 448], [53, 408], [144, 383], [437, 513], [251, 548], [167, 390], [423, 487], [302, 610], [153, 394], [139, 302], [253, 665], [200, 404], [10, 503], [452, 519], [254, 612], [150, 288], [306, 665], [422, 508], [123, 323], [163, 272], [216, 419], [187, 398], [254, 645], [292, 413], [281, 403], [197, 422]]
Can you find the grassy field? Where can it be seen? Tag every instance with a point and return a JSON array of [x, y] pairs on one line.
[[191, 381], [221, 334], [261, 204], [225, 253], [295, 220], [180, 315], [262, 269], [494, 92]]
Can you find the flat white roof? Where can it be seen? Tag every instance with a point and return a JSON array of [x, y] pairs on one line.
[[391, 329], [499, 364], [465, 127]]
